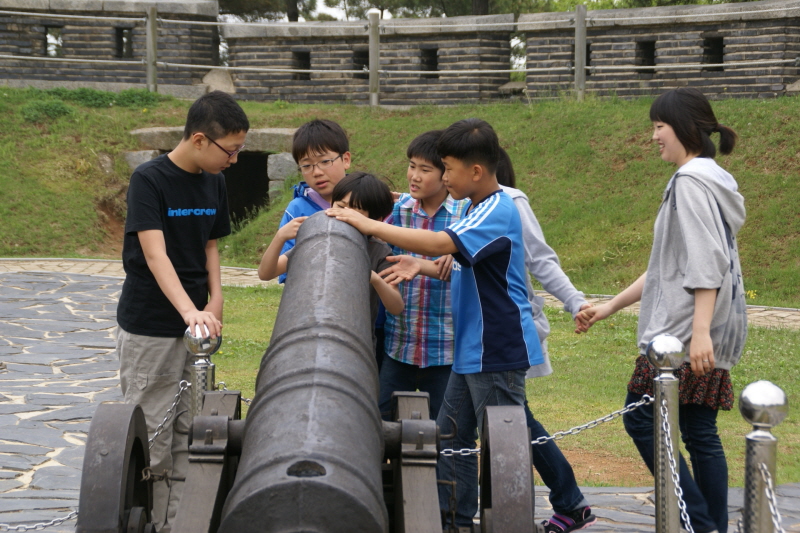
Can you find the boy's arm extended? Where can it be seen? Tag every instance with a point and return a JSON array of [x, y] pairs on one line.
[[389, 294], [215, 299], [407, 267], [155, 253], [273, 264], [420, 241]]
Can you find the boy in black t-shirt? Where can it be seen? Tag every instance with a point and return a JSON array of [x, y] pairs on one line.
[[177, 209]]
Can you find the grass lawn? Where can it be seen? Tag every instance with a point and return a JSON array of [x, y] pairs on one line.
[[591, 372]]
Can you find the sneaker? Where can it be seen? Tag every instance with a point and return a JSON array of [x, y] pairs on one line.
[[563, 523]]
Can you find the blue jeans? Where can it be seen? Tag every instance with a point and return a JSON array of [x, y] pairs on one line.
[[397, 376], [556, 472], [465, 400], [706, 495]]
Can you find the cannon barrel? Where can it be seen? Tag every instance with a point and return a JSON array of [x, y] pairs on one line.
[[313, 441]]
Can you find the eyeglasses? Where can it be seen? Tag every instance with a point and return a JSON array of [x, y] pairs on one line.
[[230, 154], [322, 165]]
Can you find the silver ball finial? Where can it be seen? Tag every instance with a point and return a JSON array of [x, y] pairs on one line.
[[199, 344], [665, 352], [763, 404]]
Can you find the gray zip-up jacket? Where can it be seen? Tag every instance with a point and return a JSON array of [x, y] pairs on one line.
[[694, 247], [543, 263]]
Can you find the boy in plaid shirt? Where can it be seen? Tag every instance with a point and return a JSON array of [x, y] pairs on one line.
[[419, 342]]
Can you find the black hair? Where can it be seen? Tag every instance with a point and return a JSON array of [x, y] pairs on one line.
[[215, 115], [505, 170], [319, 136], [424, 147], [471, 141], [689, 114], [366, 192]]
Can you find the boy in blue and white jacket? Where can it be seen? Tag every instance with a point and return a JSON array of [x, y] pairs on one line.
[[322, 153]]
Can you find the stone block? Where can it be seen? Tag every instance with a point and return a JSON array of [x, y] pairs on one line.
[[134, 159], [161, 138], [219, 80], [273, 140], [281, 166]]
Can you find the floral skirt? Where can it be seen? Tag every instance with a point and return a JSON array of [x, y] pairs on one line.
[[713, 390]]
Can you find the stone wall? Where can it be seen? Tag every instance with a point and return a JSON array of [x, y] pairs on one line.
[[422, 45], [113, 40], [670, 36], [422, 61]]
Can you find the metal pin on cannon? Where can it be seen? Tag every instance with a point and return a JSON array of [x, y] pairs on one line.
[[202, 370], [665, 352], [764, 405]]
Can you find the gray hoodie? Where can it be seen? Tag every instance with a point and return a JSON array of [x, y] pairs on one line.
[[694, 247], [543, 263]]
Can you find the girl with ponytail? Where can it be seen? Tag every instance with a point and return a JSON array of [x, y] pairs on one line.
[[693, 290]]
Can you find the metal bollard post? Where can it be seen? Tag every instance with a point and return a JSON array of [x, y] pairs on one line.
[[666, 352], [764, 405], [202, 370]]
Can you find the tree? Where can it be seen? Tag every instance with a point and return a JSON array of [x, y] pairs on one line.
[[251, 10]]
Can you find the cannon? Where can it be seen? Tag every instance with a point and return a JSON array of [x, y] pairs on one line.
[[313, 454]]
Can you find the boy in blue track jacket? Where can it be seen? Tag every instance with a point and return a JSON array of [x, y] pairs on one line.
[[495, 336], [322, 152]]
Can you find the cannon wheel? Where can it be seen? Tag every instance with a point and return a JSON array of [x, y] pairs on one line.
[[113, 495], [506, 471]]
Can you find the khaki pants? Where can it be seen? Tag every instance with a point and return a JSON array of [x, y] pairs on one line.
[[151, 369]]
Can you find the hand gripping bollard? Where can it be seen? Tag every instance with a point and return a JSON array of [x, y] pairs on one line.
[[665, 352], [202, 370], [313, 445], [763, 405]]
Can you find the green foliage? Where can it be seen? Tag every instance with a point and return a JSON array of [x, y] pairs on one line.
[[41, 110]]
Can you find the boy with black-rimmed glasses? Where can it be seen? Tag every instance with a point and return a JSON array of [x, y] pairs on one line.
[[322, 152]]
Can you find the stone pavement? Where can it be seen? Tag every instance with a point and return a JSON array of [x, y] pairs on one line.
[[56, 339]]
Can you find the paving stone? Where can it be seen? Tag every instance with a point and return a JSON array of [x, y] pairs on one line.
[[68, 413], [8, 484], [620, 517], [54, 399], [43, 479], [23, 449], [21, 463], [8, 474]]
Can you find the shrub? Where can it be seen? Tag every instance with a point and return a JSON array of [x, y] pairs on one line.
[[40, 110]]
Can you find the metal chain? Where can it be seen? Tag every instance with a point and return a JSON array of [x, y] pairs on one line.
[[41, 525], [184, 385], [674, 467], [463, 451], [771, 498], [246, 400], [646, 400]]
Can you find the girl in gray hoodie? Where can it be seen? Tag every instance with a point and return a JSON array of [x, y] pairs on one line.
[[693, 290]]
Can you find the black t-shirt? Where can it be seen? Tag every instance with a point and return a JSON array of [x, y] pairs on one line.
[[191, 209]]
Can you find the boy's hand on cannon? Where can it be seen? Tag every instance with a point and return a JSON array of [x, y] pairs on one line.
[[352, 217], [444, 265], [406, 267], [289, 230]]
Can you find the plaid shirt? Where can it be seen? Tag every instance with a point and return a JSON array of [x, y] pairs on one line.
[[423, 334]]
